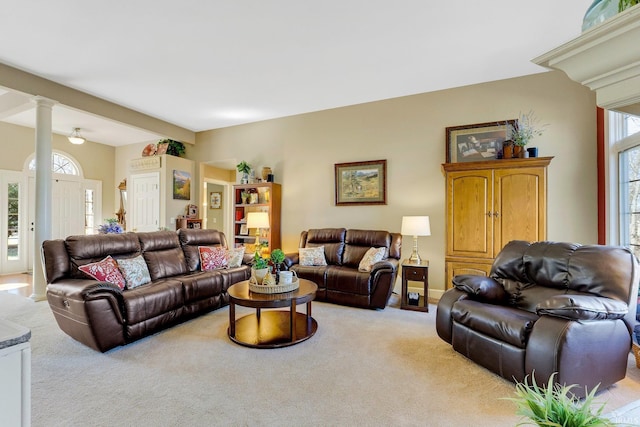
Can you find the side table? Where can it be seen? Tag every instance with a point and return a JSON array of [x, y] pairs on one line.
[[418, 273]]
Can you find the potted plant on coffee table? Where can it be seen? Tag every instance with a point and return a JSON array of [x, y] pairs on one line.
[[277, 258], [259, 267]]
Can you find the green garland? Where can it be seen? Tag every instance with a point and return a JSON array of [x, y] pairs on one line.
[[626, 4]]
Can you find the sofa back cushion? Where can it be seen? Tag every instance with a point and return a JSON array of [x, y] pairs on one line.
[[607, 271], [163, 254], [190, 239], [331, 238], [86, 249], [358, 242]]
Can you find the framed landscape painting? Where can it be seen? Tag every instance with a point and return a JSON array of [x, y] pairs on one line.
[[361, 183], [472, 143], [181, 185]]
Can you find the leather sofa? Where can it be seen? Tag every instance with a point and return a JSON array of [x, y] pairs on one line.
[[547, 307], [102, 316], [340, 281]]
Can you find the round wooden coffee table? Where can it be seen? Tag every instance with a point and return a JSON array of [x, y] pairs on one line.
[[272, 328]]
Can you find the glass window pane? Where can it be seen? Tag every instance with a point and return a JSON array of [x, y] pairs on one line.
[[13, 221]]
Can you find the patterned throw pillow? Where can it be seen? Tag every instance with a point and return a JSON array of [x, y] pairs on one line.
[[234, 257], [372, 256], [105, 271], [312, 256], [135, 271], [212, 257]]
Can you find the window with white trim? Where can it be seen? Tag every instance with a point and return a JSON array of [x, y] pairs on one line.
[[624, 131], [59, 164]]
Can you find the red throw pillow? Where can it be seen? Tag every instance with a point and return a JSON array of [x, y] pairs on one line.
[[212, 257], [105, 271]]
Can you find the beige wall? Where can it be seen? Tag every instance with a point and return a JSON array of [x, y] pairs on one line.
[[410, 133], [96, 160]]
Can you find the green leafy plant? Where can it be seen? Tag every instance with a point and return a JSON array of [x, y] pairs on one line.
[[626, 4], [258, 262], [525, 129], [555, 405], [277, 256], [243, 167], [174, 148]]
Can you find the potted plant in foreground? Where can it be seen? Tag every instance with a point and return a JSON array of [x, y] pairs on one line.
[[277, 258], [554, 405]]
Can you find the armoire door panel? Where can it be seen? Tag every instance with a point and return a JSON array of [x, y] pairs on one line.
[[470, 214], [518, 205]]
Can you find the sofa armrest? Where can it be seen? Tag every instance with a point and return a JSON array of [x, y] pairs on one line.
[[481, 288], [291, 259], [89, 290], [582, 307], [385, 264], [444, 321]]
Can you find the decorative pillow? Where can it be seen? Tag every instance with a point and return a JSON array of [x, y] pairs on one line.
[[372, 256], [312, 256], [105, 271], [234, 257], [135, 271], [481, 288], [212, 257]]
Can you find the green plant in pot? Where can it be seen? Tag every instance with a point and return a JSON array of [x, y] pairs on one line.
[[244, 168], [174, 148], [523, 131], [277, 258], [260, 265], [555, 405]]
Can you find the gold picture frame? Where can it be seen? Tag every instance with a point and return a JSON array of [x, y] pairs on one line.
[[361, 183]]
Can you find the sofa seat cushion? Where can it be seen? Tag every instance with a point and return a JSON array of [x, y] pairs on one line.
[[503, 323], [346, 279], [316, 274], [153, 299], [202, 285]]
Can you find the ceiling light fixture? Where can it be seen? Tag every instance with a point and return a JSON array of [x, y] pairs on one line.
[[75, 137]]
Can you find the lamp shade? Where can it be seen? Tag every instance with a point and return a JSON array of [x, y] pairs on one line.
[[258, 220], [415, 226]]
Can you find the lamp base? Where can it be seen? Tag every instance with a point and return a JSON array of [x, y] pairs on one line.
[[415, 258]]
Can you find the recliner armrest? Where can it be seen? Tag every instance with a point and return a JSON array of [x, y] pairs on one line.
[[291, 259], [385, 264], [481, 288], [582, 307]]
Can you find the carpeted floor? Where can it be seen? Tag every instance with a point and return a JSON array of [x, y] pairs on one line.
[[361, 368]]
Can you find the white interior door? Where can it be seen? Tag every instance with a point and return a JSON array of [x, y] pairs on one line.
[[144, 201]]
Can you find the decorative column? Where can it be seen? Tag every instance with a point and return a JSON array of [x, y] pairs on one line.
[[42, 221]]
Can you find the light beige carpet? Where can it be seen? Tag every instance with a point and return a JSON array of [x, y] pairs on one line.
[[362, 368]]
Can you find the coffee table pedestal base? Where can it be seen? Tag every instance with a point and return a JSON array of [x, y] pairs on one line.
[[272, 329]]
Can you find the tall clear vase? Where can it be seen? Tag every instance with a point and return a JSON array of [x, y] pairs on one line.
[[598, 12]]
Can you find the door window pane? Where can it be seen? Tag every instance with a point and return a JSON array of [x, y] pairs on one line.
[[13, 216]]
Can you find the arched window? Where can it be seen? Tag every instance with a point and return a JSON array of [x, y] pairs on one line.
[[59, 164]]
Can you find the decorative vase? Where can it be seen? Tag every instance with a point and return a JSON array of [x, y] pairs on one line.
[[266, 171], [599, 11], [517, 151], [245, 178], [507, 151], [259, 274]]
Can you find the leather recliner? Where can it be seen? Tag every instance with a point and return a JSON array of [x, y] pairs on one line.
[[547, 307]]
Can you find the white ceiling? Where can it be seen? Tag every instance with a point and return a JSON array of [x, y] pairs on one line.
[[210, 64]]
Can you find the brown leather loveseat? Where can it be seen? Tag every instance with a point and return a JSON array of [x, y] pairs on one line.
[[102, 316], [339, 280], [547, 307]]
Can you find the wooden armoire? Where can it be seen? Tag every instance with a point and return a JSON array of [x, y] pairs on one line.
[[490, 203]]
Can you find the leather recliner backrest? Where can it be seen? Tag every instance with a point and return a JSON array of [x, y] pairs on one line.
[[358, 242], [331, 238], [191, 239], [85, 249], [162, 253]]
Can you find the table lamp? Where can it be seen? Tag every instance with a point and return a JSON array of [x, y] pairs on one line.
[[415, 226], [258, 220]]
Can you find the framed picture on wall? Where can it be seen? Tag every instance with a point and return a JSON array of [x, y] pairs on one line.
[[181, 185], [361, 183], [215, 200], [481, 141]]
